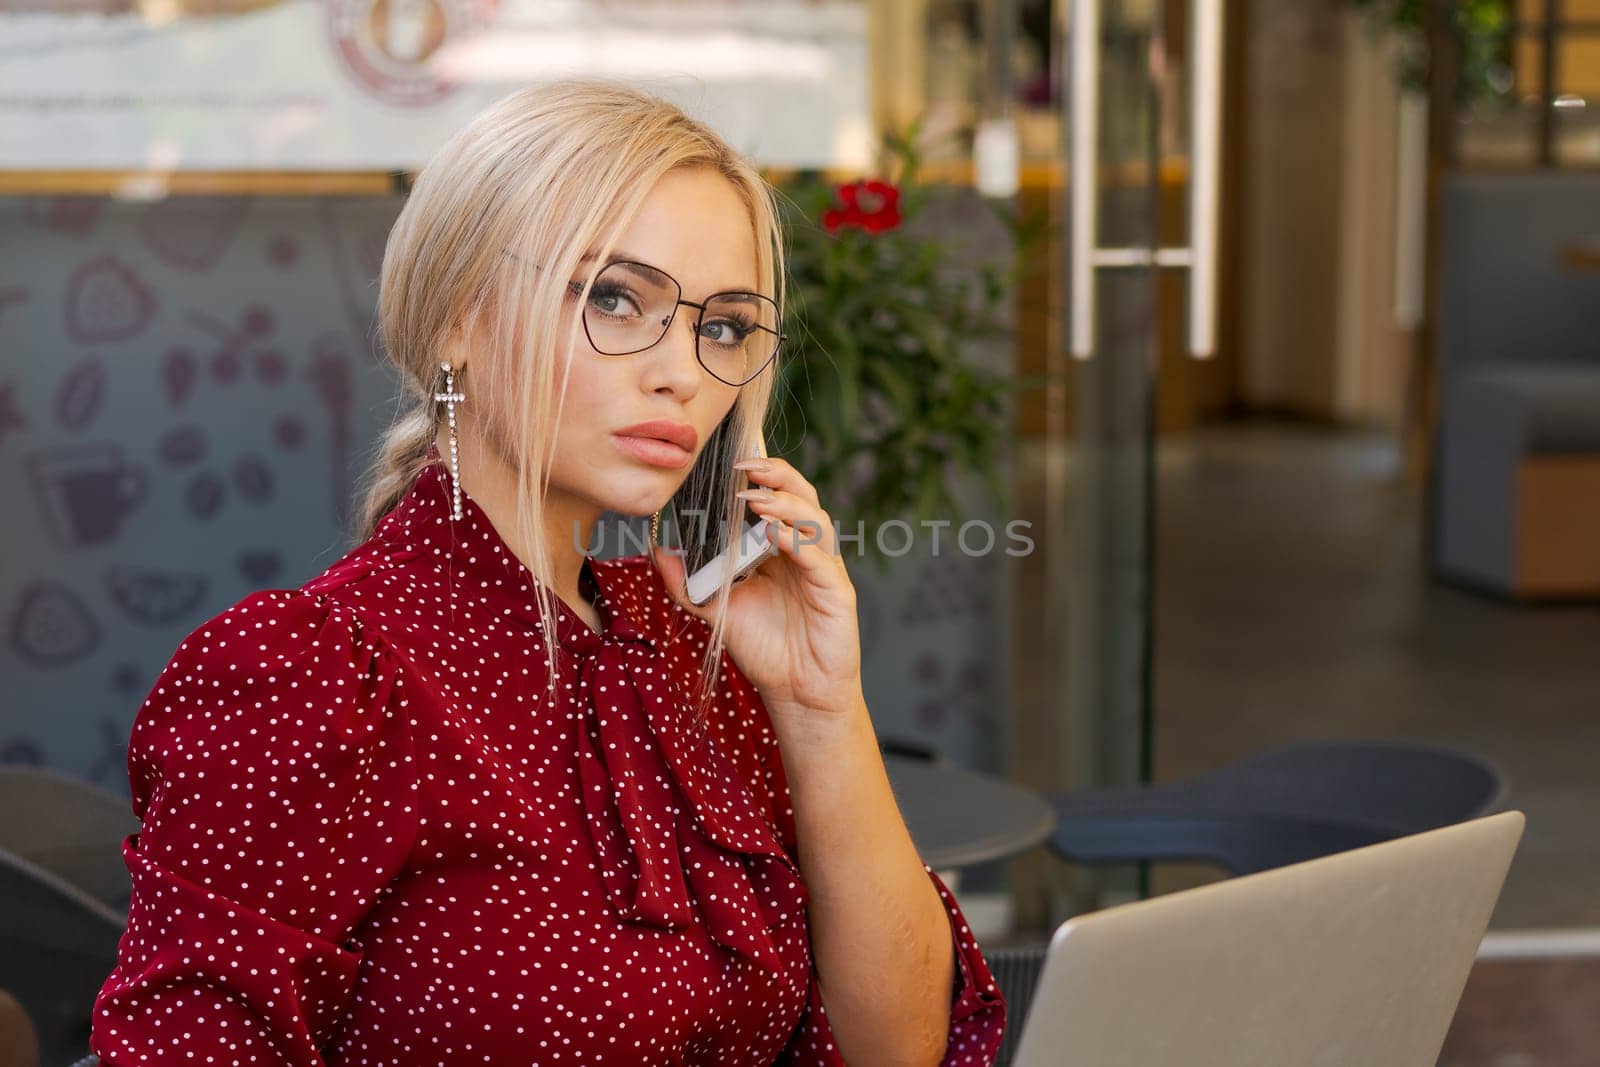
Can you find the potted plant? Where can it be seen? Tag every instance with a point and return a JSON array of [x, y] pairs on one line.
[[1480, 26], [879, 394]]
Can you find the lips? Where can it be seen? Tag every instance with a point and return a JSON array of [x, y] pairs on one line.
[[676, 433]]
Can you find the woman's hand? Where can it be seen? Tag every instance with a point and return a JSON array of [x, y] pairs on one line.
[[791, 625]]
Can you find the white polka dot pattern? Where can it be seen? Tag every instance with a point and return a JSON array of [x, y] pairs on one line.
[[369, 838]]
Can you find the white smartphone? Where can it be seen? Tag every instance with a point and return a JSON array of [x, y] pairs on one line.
[[736, 556]]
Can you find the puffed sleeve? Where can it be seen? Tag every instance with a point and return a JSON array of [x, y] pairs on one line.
[[977, 1007], [271, 771]]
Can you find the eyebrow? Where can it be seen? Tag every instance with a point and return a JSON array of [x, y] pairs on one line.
[[618, 256], [612, 258]]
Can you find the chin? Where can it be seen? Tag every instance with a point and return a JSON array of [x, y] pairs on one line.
[[643, 501]]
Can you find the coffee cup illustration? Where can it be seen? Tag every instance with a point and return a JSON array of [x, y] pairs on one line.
[[86, 491]]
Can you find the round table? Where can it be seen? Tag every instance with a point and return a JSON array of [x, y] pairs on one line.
[[959, 817]]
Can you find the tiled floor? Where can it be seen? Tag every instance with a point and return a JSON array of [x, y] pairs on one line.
[[1291, 604], [1527, 1013]]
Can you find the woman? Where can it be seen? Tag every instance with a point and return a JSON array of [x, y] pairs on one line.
[[384, 821]]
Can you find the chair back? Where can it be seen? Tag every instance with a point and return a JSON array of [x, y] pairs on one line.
[[1016, 971], [69, 827], [66, 891]]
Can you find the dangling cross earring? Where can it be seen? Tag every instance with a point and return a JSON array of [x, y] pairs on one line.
[[450, 398]]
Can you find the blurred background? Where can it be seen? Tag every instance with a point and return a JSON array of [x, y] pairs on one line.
[[1272, 321]]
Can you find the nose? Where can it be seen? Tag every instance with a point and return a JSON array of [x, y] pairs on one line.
[[673, 364]]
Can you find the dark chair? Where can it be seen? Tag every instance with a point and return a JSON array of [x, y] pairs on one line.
[[1279, 807], [1016, 970], [66, 892]]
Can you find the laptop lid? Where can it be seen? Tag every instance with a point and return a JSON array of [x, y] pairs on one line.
[[1355, 958]]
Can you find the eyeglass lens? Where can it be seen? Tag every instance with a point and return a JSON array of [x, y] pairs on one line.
[[631, 304]]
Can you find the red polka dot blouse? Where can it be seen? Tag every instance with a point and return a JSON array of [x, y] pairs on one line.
[[367, 838]]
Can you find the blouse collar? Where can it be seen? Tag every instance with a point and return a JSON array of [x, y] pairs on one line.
[[423, 520]]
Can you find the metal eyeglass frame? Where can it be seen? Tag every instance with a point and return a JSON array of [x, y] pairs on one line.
[[577, 289]]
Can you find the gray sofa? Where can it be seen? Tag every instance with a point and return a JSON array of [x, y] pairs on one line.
[[1519, 385]]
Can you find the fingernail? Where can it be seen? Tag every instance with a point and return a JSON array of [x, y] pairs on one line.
[[759, 495], [752, 465]]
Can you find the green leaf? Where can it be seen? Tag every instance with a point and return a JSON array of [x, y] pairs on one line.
[[898, 389]]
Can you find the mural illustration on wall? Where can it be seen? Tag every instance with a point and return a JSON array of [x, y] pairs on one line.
[[188, 390], [164, 404]]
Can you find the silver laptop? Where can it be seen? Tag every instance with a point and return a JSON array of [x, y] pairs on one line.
[[1353, 960]]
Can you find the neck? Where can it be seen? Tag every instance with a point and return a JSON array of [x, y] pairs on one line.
[[569, 521]]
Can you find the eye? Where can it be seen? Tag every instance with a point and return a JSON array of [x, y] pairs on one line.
[[612, 301], [729, 331]]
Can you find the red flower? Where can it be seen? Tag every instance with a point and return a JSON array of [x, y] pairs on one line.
[[870, 204]]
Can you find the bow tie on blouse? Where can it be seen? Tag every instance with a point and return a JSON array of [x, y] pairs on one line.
[[662, 858], [674, 824]]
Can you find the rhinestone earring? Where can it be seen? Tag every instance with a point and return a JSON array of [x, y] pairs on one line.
[[655, 529], [450, 398]]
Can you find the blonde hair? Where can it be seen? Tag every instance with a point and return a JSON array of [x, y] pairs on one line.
[[546, 173]]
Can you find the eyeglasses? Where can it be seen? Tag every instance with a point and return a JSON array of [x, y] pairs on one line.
[[631, 306]]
